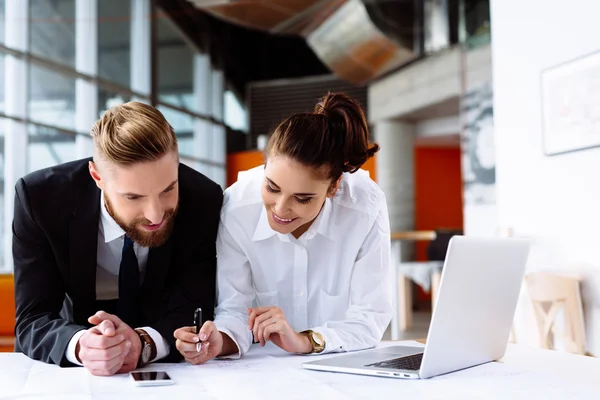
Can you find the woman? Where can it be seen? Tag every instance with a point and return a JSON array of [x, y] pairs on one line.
[[303, 247]]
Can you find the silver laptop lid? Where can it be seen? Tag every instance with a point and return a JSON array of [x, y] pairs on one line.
[[474, 311]]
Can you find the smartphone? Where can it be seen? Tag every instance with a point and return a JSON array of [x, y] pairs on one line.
[[151, 378]]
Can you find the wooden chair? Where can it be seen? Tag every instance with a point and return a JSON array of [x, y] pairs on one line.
[[549, 294]]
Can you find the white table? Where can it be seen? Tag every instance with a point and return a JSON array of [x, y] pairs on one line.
[[268, 373]]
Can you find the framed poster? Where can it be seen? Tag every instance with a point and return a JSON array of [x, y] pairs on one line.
[[571, 105]]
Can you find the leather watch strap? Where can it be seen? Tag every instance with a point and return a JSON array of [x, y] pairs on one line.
[[147, 341]]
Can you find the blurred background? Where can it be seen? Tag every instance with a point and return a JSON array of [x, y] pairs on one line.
[[485, 112]]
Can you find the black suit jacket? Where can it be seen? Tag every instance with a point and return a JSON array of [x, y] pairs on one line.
[[55, 235]]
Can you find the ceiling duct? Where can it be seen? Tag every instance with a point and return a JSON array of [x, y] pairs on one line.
[[357, 40]]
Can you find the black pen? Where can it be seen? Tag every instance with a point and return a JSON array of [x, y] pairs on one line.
[[198, 325]]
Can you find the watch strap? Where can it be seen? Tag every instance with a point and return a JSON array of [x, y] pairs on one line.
[[316, 347], [147, 341]]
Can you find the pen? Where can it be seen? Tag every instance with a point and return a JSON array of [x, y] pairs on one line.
[[198, 325]]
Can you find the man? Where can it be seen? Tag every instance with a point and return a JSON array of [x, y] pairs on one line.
[[113, 254]]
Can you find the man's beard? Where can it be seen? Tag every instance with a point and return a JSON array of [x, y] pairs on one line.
[[138, 234]]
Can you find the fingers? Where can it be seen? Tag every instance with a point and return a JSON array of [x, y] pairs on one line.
[[200, 357], [208, 331], [92, 354], [93, 338], [186, 334], [107, 328], [188, 341], [255, 312], [128, 366], [261, 328], [103, 315], [105, 368], [274, 312], [276, 328], [104, 362], [201, 348], [184, 346]]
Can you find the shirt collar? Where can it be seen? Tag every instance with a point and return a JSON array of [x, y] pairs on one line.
[[263, 229], [321, 225], [110, 228]]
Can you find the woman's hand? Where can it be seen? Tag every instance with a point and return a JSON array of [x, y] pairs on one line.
[[269, 324]]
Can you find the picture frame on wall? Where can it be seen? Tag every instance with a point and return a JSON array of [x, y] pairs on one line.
[[571, 105]]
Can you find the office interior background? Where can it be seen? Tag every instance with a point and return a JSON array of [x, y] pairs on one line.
[[485, 111]]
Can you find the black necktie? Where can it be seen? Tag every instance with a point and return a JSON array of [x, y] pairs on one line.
[[129, 284]]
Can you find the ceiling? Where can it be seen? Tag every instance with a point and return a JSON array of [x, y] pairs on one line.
[[357, 40], [245, 54]]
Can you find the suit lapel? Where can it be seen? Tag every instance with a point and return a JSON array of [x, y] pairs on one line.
[[83, 244]]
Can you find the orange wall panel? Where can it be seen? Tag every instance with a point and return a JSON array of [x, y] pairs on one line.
[[245, 160], [438, 191], [7, 305], [242, 161]]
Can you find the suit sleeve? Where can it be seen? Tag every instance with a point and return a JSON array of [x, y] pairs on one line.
[[193, 282], [40, 332]]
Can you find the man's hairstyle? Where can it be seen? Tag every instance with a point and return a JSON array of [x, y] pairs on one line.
[[132, 133]]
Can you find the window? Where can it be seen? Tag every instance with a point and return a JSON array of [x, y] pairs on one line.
[[2, 20], [52, 30], [47, 147], [51, 98], [235, 112], [183, 124], [2, 106], [175, 67], [108, 99], [114, 40]]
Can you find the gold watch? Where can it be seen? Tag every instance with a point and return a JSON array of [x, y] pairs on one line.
[[315, 339]]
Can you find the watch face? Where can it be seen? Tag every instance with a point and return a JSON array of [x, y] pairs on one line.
[[317, 339], [146, 353]]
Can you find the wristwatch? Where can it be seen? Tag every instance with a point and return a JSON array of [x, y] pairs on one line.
[[148, 352], [316, 340]]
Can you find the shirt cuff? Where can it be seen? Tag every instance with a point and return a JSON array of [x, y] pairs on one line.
[[162, 346], [70, 354], [333, 343]]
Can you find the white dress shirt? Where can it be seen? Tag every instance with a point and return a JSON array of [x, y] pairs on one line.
[[335, 279], [110, 248]]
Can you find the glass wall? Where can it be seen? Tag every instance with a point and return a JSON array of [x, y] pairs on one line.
[[2, 107], [108, 98], [235, 116], [477, 23], [61, 102], [52, 30], [183, 124], [175, 67], [51, 97], [47, 147], [114, 41], [2, 18]]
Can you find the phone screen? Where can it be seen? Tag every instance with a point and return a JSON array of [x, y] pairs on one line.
[[150, 376]]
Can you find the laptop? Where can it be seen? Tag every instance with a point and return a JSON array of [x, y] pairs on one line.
[[472, 318]]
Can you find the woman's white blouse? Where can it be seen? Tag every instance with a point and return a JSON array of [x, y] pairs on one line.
[[335, 279]]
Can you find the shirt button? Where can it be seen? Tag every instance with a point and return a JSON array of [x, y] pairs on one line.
[[301, 294]]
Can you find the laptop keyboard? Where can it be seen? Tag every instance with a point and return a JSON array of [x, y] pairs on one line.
[[412, 363]]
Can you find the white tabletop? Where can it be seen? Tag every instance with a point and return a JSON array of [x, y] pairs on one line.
[[269, 373]]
